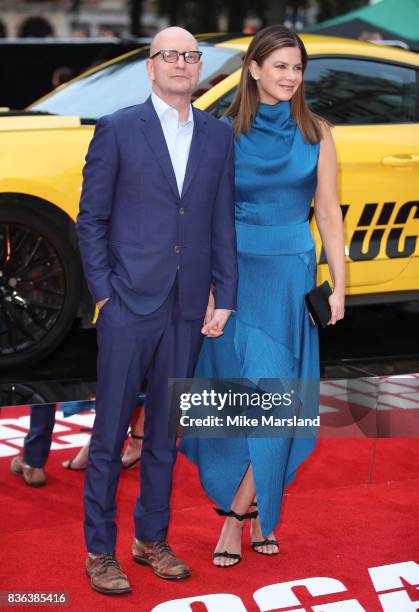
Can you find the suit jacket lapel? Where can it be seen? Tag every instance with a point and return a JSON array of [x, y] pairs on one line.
[[196, 150], [154, 134]]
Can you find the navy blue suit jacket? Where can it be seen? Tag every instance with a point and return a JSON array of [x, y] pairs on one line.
[[135, 232]]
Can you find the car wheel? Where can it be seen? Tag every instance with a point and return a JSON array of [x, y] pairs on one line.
[[39, 286]]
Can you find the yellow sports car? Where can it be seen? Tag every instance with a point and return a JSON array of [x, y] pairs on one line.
[[369, 92]]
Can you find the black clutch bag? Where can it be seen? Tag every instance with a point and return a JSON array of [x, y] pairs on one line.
[[317, 301]]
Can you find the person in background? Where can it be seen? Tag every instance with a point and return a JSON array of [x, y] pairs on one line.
[[105, 32], [132, 453], [61, 75], [30, 465]]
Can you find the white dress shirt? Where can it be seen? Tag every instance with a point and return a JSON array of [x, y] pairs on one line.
[[178, 136]]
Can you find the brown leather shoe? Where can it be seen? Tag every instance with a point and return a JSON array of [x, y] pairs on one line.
[[161, 558], [34, 477], [106, 575]]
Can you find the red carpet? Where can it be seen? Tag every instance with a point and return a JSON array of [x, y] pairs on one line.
[[353, 507]]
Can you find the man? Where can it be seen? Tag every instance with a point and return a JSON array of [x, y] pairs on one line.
[[156, 229]]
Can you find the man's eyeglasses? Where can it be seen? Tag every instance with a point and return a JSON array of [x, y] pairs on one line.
[[171, 57]]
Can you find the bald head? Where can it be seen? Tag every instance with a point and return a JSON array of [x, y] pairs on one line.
[[174, 81], [173, 38]]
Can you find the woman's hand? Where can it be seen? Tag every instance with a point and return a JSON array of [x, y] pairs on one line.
[[215, 326], [337, 306], [215, 319]]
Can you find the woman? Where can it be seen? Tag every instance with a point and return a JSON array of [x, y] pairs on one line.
[[132, 453], [284, 156]]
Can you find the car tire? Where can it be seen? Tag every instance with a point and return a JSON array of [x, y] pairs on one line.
[[40, 279]]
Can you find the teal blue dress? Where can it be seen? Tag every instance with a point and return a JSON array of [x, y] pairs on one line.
[[270, 334]]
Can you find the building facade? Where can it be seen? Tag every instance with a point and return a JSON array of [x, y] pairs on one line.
[[74, 18]]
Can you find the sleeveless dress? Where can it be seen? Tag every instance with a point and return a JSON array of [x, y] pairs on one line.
[[270, 334]]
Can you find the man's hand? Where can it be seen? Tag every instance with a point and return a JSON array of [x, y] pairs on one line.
[[101, 303], [214, 325], [210, 308]]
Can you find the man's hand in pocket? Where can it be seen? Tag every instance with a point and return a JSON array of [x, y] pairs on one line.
[[102, 303]]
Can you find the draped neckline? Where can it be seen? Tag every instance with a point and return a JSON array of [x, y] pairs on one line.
[[272, 133]]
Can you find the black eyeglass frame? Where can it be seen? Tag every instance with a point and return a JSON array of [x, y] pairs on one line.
[[179, 53]]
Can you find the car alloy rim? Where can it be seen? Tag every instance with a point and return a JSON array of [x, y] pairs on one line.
[[32, 287]]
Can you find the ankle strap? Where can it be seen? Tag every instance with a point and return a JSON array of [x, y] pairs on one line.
[[239, 517], [133, 435]]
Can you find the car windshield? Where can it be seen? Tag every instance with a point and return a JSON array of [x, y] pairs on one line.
[[125, 83]]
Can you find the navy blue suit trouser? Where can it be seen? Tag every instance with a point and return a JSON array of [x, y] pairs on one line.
[[158, 346], [37, 442]]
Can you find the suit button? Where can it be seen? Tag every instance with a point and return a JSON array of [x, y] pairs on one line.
[[176, 248], [181, 211]]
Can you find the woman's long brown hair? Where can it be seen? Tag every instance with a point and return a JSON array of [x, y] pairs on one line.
[[243, 107]]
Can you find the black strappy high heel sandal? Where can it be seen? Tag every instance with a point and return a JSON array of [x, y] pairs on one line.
[[133, 463], [265, 542], [226, 554]]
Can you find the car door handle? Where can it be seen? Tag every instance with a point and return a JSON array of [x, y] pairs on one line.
[[404, 159]]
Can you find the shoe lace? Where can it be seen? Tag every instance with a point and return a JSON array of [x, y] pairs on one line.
[[164, 547], [108, 560]]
